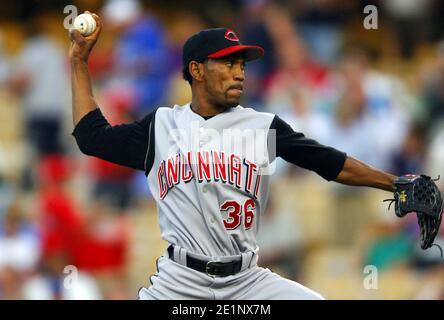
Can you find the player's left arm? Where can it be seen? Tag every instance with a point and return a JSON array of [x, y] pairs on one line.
[[357, 173]]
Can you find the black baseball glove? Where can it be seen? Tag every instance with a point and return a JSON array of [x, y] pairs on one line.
[[419, 194]]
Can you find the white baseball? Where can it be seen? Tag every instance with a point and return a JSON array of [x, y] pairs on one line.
[[85, 23]]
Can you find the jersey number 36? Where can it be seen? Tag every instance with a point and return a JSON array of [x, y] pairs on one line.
[[235, 210]]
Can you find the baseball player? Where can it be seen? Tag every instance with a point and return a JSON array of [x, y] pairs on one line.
[[210, 189]]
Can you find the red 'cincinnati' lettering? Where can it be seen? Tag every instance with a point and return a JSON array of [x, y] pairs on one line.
[[219, 166], [203, 166], [250, 168], [173, 171], [163, 188], [235, 169], [187, 175], [211, 166]]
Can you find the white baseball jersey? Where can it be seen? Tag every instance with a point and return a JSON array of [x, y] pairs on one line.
[[209, 188], [209, 176]]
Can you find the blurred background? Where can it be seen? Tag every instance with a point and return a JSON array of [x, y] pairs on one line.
[[377, 94]]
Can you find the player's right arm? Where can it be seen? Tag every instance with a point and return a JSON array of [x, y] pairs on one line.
[[82, 95], [125, 144]]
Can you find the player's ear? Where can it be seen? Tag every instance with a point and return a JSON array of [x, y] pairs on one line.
[[196, 70]]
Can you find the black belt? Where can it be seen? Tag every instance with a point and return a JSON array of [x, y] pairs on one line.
[[211, 268]]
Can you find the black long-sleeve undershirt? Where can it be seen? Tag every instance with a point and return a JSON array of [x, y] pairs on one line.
[[132, 144]]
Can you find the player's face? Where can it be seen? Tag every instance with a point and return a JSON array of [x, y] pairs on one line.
[[224, 79]]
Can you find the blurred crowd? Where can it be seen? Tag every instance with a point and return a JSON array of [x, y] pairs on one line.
[[376, 94]]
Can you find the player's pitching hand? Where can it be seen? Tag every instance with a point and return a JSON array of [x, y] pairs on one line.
[[81, 46]]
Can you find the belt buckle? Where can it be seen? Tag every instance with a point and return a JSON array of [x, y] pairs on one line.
[[208, 266]]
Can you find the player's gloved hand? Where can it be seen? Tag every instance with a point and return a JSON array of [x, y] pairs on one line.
[[419, 194], [81, 46]]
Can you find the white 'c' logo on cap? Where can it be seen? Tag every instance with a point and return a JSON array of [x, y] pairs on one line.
[[230, 35]]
